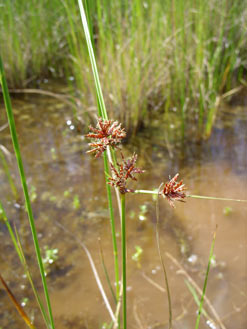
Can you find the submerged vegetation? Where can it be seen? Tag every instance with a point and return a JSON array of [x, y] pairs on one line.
[[169, 58]]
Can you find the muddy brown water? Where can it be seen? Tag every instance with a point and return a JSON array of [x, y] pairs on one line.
[[67, 188]]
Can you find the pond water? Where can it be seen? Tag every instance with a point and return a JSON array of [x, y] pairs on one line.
[[67, 189]]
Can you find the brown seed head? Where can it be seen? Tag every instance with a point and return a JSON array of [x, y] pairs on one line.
[[173, 191], [124, 171], [106, 133]]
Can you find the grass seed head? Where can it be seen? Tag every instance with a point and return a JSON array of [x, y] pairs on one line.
[[124, 171], [174, 191], [106, 133]]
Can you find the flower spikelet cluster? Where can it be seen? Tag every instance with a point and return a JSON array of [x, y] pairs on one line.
[[106, 133], [174, 191], [124, 171]]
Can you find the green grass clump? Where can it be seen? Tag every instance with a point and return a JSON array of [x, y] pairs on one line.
[[154, 56], [162, 55], [32, 37]]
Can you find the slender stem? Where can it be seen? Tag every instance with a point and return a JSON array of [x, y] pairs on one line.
[[163, 263], [123, 260], [11, 233], [213, 198], [18, 248], [146, 192], [112, 159], [93, 61], [205, 281], [113, 231], [35, 291], [155, 192], [19, 308], [103, 113], [106, 272], [15, 142]]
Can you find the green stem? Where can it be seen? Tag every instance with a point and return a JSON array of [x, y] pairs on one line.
[[93, 61], [163, 263], [14, 137], [155, 192], [146, 192], [18, 248], [11, 233], [205, 282], [213, 198], [106, 273], [123, 260], [112, 221], [103, 113], [35, 291]]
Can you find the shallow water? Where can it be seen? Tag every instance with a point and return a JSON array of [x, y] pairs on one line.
[[68, 189]]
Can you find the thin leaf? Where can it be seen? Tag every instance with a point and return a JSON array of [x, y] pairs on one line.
[[106, 272], [18, 306], [15, 142], [162, 261], [205, 281]]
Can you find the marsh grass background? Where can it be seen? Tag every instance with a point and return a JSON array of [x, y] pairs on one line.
[[154, 57]]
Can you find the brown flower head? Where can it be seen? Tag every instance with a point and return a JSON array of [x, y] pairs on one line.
[[124, 171], [107, 132], [173, 191]]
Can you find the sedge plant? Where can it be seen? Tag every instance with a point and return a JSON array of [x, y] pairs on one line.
[[106, 137]]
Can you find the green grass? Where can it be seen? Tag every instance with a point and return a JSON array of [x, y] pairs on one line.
[[154, 56], [16, 146]]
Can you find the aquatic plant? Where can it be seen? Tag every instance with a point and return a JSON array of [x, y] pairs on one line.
[[172, 191], [159, 58], [117, 178]]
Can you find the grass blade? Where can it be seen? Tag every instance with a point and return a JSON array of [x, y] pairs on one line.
[[35, 291], [195, 296], [7, 223], [123, 231], [100, 98], [162, 261], [15, 142], [17, 244], [106, 272], [182, 271], [205, 282], [19, 308]]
